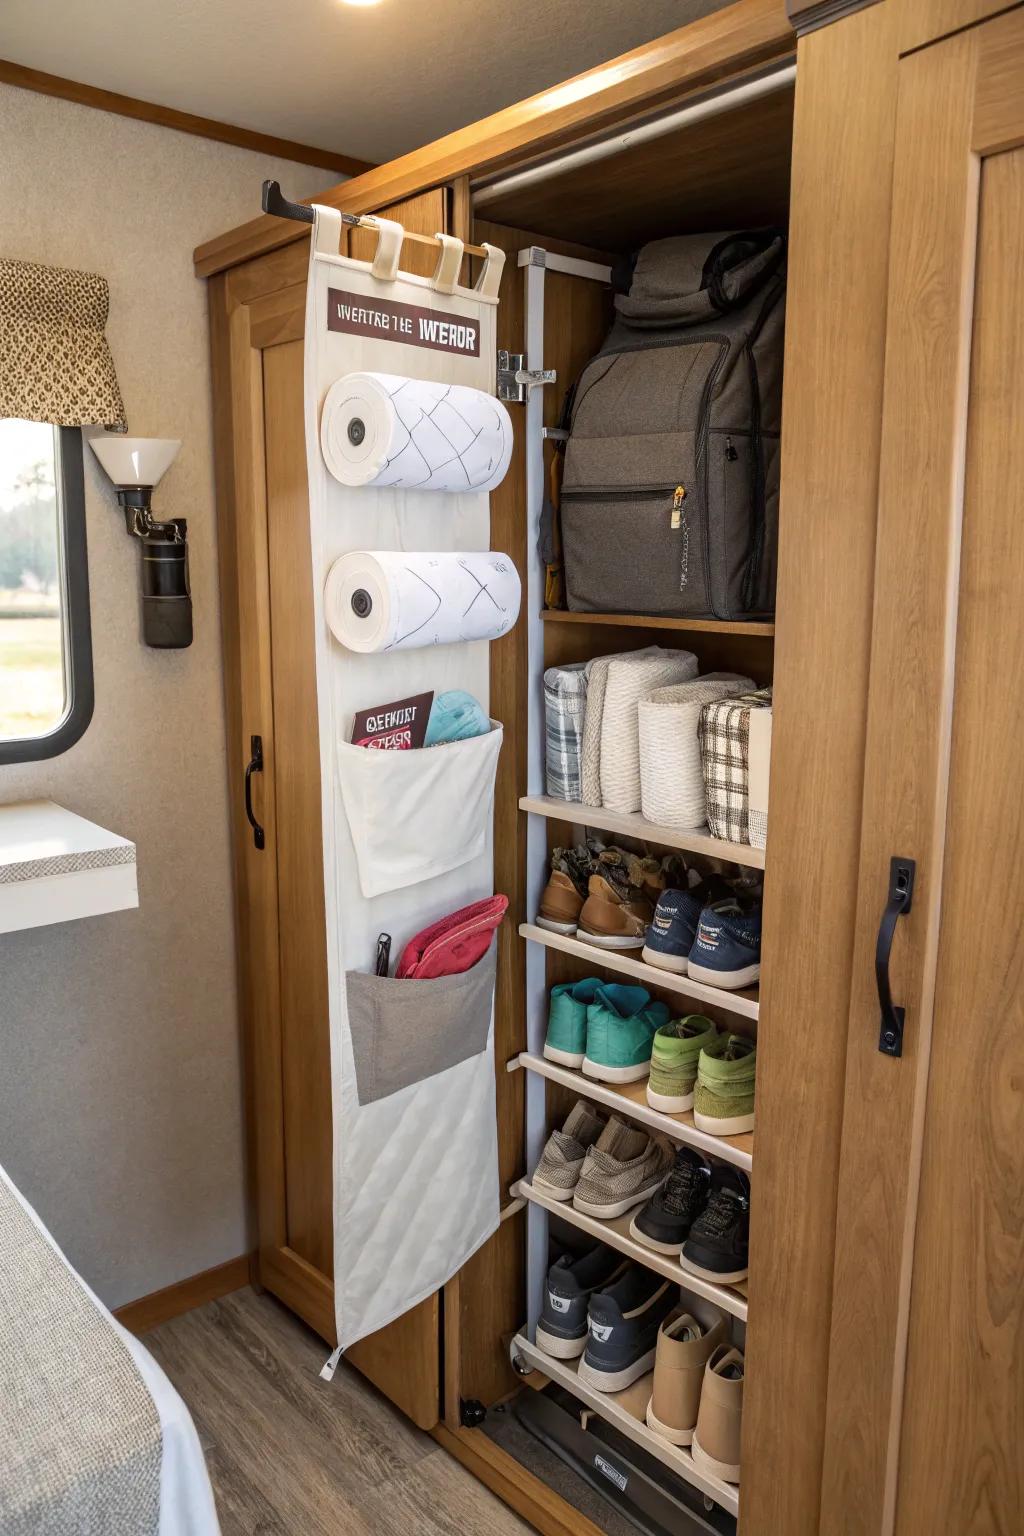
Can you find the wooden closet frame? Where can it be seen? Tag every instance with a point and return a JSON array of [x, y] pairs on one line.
[[840, 214]]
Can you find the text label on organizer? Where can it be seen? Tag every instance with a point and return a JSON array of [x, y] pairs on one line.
[[411, 323]]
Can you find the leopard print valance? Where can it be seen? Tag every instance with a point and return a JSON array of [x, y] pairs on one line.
[[55, 364]]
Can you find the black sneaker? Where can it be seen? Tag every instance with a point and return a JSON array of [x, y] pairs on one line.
[[623, 1329], [664, 1222], [562, 1330], [717, 1245]]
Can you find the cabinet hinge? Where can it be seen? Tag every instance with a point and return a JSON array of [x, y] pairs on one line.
[[515, 380]]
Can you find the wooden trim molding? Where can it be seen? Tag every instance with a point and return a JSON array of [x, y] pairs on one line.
[[185, 1295], [731, 42], [183, 122], [808, 15]]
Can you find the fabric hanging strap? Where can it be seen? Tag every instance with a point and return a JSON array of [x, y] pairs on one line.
[[55, 364]]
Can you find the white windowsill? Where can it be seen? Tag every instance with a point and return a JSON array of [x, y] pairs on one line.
[[56, 867]]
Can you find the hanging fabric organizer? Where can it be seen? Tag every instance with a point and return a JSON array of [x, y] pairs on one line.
[[404, 441]]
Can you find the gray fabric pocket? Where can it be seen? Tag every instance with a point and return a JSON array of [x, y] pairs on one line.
[[404, 1032]]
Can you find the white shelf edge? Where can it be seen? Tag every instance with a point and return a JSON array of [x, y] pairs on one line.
[[634, 825], [727, 1300], [617, 960], [675, 1457], [57, 867], [669, 1125]]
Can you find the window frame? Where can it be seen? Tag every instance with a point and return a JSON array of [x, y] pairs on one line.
[[76, 621]]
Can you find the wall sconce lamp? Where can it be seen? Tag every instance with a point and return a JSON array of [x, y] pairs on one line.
[[136, 465]]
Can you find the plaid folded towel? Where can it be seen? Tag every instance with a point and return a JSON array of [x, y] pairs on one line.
[[725, 757], [565, 705]]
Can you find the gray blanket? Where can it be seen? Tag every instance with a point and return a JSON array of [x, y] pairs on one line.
[[80, 1439]]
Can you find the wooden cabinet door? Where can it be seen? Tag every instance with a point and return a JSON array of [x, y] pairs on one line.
[[925, 1416], [258, 316]]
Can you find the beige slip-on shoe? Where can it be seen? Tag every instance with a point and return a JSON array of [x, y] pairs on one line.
[[716, 1439], [684, 1347]]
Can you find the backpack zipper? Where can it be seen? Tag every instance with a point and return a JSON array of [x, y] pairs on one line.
[[633, 493]]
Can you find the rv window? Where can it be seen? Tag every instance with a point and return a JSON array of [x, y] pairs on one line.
[[46, 692]]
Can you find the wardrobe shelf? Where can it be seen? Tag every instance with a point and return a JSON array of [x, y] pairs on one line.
[[630, 1099], [631, 824], [763, 628], [615, 1409], [742, 1003], [616, 1234]]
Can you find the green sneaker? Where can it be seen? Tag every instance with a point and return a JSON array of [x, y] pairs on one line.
[[621, 1025], [677, 1045], [724, 1099], [566, 1040]]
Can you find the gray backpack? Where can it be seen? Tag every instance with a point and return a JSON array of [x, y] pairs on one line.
[[670, 488]]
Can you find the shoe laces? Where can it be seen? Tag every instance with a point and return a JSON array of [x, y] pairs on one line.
[[722, 1212], [680, 1187]]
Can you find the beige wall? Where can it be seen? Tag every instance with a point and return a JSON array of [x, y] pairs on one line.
[[120, 1096]]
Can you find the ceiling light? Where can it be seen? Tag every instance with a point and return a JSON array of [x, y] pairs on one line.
[[360, 2]]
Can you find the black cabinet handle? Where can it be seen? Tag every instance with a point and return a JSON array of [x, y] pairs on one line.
[[901, 891], [255, 766]]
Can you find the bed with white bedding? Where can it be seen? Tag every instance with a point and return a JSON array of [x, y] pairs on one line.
[[94, 1440]]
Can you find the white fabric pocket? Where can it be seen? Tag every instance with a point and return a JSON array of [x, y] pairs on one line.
[[416, 814]]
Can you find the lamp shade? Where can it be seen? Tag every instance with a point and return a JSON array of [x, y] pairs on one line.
[[135, 461]]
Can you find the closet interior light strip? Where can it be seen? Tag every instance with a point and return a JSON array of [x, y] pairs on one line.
[[655, 128]]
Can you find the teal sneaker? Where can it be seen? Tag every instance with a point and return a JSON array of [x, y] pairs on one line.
[[566, 1040], [621, 1024]]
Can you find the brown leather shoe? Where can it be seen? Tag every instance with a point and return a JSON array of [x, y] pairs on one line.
[[566, 890], [616, 913]]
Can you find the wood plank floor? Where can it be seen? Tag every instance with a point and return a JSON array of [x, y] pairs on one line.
[[291, 1455]]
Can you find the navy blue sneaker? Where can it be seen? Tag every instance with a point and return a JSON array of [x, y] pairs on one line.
[[673, 929], [726, 951]]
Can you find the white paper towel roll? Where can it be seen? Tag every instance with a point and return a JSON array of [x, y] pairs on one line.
[[414, 434], [389, 600]]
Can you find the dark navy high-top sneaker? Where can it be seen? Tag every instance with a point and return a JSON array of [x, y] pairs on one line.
[[562, 1328], [624, 1320]]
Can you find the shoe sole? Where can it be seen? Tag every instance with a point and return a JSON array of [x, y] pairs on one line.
[[560, 1349], [616, 1381], [720, 1277], [665, 1431], [669, 1104], [677, 964], [618, 1208], [609, 940], [737, 1125], [553, 927], [728, 981], [553, 1191], [672, 1249], [726, 1471], [563, 1058], [603, 1074]]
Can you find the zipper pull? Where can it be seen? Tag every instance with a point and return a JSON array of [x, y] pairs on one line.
[[677, 502], [730, 451]]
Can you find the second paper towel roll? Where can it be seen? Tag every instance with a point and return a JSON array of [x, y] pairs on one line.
[[385, 430], [387, 600]]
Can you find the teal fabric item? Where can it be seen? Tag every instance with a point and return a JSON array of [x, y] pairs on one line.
[[621, 1025], [567, 1020], [455, 716]]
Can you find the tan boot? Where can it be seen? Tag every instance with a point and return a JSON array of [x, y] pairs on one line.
[[716, 1440], [684, 1346]]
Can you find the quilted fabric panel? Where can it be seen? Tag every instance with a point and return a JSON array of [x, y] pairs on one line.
[[55, 364]]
